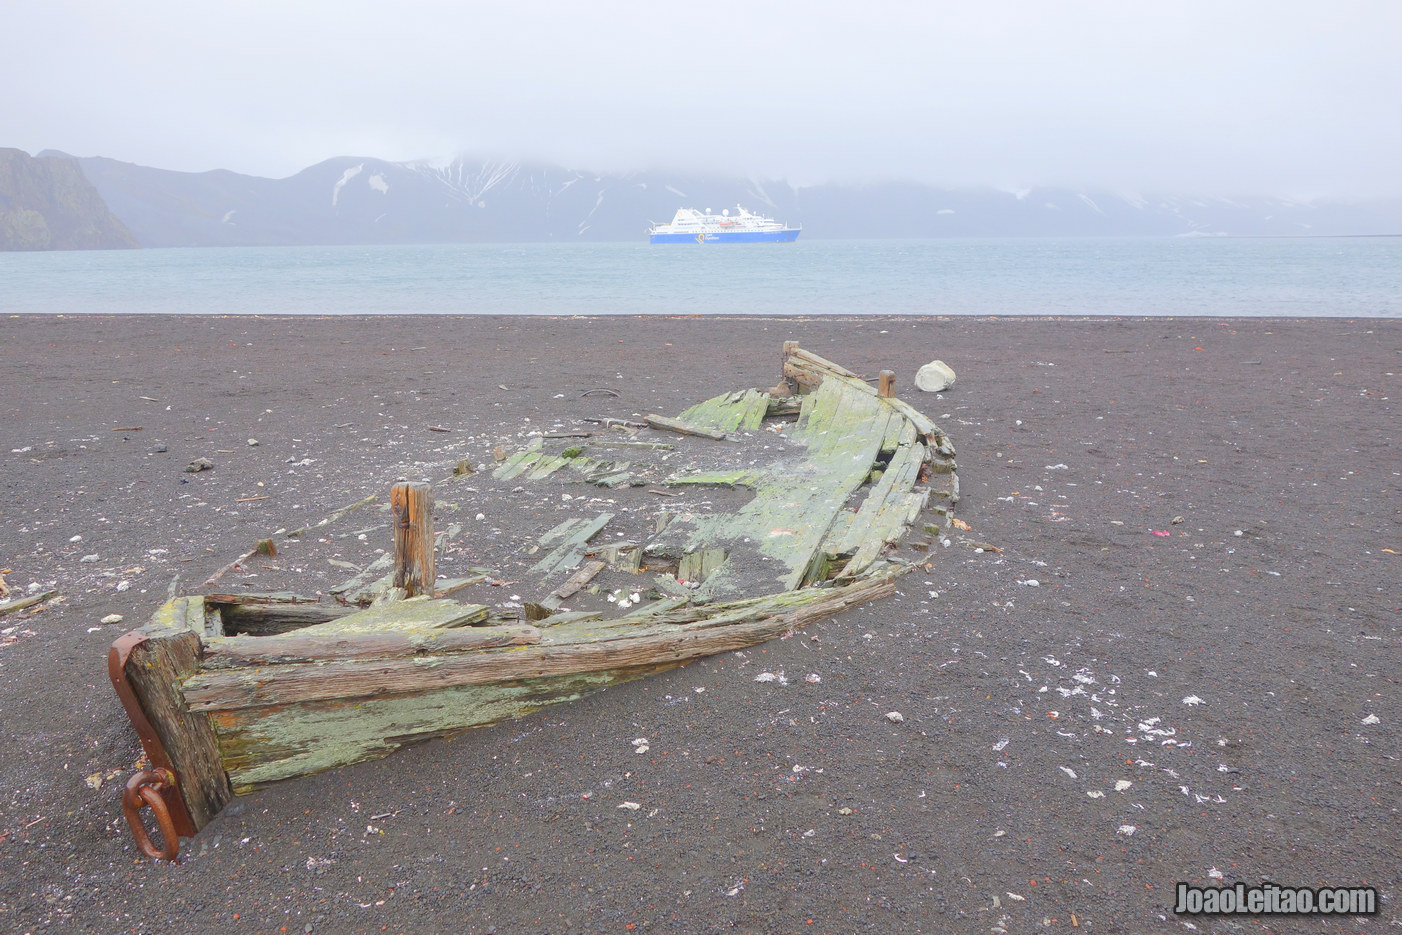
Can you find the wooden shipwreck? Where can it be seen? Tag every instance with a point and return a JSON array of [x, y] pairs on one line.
[[816, 478]]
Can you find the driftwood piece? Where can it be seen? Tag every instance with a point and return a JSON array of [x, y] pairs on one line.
[[676, 425], [292, 684], [609, 423], [886, 384], [620, 443], [414, 567], [311, 647], [24, 602], [349, 508], [214, 578]]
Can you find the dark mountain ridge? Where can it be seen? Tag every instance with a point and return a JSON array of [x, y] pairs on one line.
[[46, 203]]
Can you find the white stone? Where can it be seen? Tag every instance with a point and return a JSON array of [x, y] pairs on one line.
[[935, 377]]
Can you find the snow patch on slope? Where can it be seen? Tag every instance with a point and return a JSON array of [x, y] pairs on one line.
[[345, 177], [378, 183], [1093, 206], [470, 182]]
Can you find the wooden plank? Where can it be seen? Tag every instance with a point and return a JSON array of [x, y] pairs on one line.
[[729, 412], [886, 384], [415, 569], [449, 585], [271, 619], [154, 669], [413, 614], [575, 534], [310, 646], [789, 517], [519, 461], [294, 684], [263, 745], [578, 580], [676, 425], [264, 597], [354, 591], [821, 363]]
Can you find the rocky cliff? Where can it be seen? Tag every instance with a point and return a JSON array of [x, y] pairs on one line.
[[47, 203]]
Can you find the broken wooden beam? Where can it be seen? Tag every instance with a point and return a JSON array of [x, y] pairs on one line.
[[307, 646], [575, 582], [414, 568], [886, 384], [292, 684], [676, 425]]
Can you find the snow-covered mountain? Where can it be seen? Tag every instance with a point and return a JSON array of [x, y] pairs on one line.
[[363, 200]]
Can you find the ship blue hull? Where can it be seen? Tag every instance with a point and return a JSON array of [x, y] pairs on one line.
[[780, 236]]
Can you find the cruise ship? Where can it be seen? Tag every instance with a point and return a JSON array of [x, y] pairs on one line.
[[692, 226]]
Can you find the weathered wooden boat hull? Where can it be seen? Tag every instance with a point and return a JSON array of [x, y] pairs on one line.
[[296, 686]]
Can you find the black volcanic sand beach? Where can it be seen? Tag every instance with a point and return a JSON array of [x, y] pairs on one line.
[[1204, 699]]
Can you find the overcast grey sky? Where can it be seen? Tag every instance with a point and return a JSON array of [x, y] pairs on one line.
[[1282, 97]]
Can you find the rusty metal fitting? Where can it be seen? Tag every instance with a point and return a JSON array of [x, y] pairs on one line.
[[144, 789]]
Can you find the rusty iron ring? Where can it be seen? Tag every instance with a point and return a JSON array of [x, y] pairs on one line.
[[144, 789]]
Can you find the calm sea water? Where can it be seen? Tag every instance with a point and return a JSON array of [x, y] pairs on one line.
[[1188, 276]]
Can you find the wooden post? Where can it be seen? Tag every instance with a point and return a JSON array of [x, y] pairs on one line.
[[886, 384], [789, 348], [411, 505]]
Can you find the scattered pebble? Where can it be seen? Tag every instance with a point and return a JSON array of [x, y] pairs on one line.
[[76, 539], [253, 443], [631, 806], [1122, 784], [112, 618], [1192, 700], [1095, 794], [88, 559], [1128, 830], [1371, 719], [895, 717]]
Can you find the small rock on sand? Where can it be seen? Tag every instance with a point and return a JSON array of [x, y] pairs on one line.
[[934, 377]]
